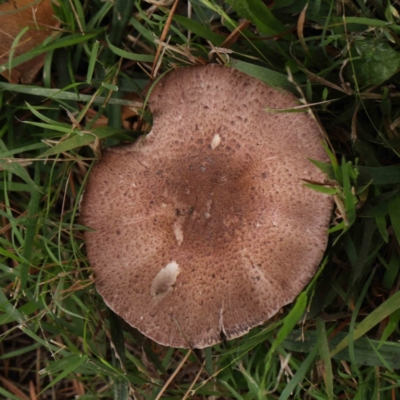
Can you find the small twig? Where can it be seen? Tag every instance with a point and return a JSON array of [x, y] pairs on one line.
[[164, 388], [188, 392], [233, 37], [164, 35], [189, 15], [71, 3]]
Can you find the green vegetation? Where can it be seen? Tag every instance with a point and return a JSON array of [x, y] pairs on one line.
[[340, 340]]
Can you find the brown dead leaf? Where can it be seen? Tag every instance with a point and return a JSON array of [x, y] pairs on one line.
[[9, 385], [15, 15], [129, 112]]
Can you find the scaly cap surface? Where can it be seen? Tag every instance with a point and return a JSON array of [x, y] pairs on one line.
[[204, 228]]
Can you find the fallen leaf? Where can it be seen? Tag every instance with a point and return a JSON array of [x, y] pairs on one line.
[[374, 62], [128, 112], [15, 15]]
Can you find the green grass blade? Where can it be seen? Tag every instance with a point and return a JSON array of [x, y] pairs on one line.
[[11, 165], [31, 228], [62, 368], [394, 213], [380, 175], [63, 42], [349, 199], [323, 348], [13, 47], [289, 323], [121, 385], [121, 13], [369, 22], [391, 305], [8, 395], [232, 391], [363, 348], [299, 375], [257, 12], [129, 56], [9, 309], [321, 189], [92, 61], [46, 119], [392, 270], [392, 325], [200, 30], [268, 76], [60, 94], [82, 139]]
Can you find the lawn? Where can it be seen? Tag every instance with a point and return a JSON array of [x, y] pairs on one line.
[[81, 86]]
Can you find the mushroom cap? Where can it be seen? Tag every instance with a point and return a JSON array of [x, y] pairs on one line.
[[203, 229]]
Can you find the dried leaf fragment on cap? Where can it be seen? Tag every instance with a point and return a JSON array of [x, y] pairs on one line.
[[204, 229], [16, 15]]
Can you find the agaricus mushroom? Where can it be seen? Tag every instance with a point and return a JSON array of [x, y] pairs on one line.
[[203, 229]]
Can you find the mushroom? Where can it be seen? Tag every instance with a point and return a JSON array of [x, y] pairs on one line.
[[204, 229]]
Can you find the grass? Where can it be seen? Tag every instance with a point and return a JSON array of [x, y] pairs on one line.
[[340, 339]]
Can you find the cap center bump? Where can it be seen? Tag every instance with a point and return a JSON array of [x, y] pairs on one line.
[[213, 198]]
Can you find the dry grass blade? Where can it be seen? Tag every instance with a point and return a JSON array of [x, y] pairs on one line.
[[233, 37], [189, 391], [170, 379], [162, 38], [300, 28]]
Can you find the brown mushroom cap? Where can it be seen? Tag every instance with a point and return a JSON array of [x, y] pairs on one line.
[[203, 228]]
